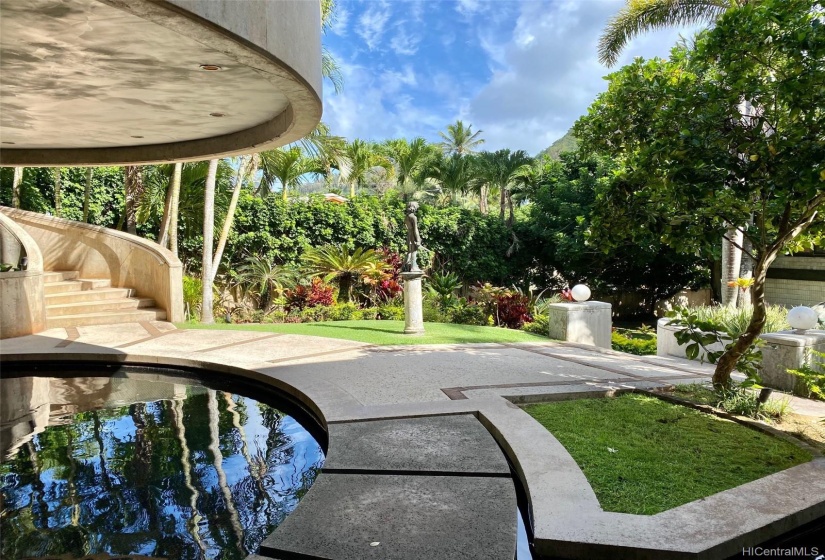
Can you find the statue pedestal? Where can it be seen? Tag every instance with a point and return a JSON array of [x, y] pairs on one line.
[[413, 312]]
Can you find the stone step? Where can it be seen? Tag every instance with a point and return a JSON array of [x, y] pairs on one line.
[[98, 294], [59, 276], [78, 285], [106, 318], [86, 307]]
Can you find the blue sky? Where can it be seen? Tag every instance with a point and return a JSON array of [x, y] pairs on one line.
[[522, 71]]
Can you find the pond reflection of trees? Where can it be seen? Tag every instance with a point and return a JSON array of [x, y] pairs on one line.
[[195, 473]]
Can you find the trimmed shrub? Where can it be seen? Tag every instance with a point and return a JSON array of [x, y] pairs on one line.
[[540, 325], [637, 346], [390, 312]]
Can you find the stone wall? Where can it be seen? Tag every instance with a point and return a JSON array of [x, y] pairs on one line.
[[127, 260], [798, 280], [22, 301]]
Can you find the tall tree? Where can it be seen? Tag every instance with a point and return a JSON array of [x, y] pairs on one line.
[[500, 170], [170, 208], [361, 159], [460, 139], [289, 167], [454, 175], [208, 237], [15, 186], [133, 184], [679, 127], [410, 160], [87, 193], [58, 192]]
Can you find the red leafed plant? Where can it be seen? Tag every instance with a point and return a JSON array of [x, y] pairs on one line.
[[317, 293], [512, 310]]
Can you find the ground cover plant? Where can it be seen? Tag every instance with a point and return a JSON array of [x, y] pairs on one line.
[[384, 332], [642, 455], [641, 342]]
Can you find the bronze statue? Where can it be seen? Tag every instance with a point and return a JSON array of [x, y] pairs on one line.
[[413, 239]]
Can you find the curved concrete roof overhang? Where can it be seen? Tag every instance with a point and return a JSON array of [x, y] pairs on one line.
[[104, 82]]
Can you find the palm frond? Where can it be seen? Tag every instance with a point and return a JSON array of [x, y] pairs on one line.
[[639, 16]]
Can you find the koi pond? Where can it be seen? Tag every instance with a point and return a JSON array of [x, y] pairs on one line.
[[147, 464]]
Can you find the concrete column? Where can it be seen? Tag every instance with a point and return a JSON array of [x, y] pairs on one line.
[[588, 322], [788, 350], [413, 311]]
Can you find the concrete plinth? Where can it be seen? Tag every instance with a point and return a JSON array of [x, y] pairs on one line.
[[789, 350], [413, 311], [586, 322]]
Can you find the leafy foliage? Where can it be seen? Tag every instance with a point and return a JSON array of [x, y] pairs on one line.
[[318, 293], [813, 376]]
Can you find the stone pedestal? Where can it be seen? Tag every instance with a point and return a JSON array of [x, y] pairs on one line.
[[788, 350], [586, 322], [413, 312]]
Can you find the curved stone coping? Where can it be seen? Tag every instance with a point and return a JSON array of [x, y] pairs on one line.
[[278, 41], [567, 520], [22, 305], [97, 252]]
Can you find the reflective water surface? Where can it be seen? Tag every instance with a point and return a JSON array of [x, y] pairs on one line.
[[143, 464]]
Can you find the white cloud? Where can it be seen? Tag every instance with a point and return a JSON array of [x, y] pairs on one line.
[[545, 72], [403, 43], [371, 25], [339, 25]]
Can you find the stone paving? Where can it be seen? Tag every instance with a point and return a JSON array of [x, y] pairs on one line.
[[386, 407]]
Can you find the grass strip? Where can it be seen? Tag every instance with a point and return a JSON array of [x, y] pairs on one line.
[[642, 455], [383, 332]]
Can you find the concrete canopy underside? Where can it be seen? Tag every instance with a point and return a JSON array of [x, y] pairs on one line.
[[88, 82]]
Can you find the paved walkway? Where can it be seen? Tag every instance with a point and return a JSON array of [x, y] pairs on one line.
[[346, 382]]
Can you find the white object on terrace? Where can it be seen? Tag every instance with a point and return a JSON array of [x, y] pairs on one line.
[[802, 318], [580, 292]]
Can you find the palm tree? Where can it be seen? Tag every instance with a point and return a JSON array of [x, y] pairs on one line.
[[410, 160], [339, 263], [133, 184], [639, 16], [460, 139], [15, 186], [86, 194], [288, 166], [361, 159], [330, 68], [208, 234], [500, 171], [455, 174]]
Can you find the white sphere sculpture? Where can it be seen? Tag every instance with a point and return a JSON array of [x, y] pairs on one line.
[[802, 318], [580, 292]]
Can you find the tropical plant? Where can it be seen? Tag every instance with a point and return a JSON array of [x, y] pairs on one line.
[[361, 159], [260, 278], [639, 16], [339, 263], [289, 167], [318, 293], [454, 174], [460, 139], [410, 159], [813, 376], [501, 170], [442, 288]]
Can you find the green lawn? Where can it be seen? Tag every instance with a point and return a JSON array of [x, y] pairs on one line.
[[383, 332], [642, 455]]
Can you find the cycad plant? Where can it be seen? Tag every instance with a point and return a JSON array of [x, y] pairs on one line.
[[262, 279], [339, 263]]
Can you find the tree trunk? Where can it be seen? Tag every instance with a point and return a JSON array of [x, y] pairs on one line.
[[727, 362], [243, 167], [511, 216], [86, 194], [173, 219], [15, 186], [163, 234], [193, 523], [217, 462], [483, 193], [208, 236], [746, 271], [502, 202], [344, 288], [731, 261], [58, 196], [134, 189]]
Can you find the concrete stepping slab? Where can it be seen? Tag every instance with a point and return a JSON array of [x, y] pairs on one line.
[[445, 444], [410, 517]]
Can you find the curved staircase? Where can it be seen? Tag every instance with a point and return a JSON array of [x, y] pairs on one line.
[[72, 301]]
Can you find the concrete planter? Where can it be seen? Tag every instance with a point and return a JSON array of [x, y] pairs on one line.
[[782, 351], [666, 344]]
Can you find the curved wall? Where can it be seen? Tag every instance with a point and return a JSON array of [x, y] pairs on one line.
[[22, 301], [96, 252]]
